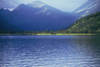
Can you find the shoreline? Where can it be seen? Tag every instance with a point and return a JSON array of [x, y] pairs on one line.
[[55, 34]]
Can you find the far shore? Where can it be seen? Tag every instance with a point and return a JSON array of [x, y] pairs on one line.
[[54, 34]]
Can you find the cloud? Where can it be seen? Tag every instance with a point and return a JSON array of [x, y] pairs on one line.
[[39, 6], [65, 5], [7, 4], [13, 3], [43, 11]]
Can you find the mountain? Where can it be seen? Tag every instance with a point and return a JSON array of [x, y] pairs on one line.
[[38, 16], [88, 24], [3, 11], [90, 7], [4, 26]]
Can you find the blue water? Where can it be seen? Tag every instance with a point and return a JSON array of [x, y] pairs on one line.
[[49, 51]]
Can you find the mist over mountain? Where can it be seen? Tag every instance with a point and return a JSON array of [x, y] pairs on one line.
[[87, 8], [38, 16]]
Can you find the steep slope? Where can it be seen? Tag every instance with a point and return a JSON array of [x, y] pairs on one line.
[[39, 16], [4, 26], [88, 24], [91, 6], [3, 11]]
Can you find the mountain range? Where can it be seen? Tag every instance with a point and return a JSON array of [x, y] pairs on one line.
[[38, 16], [90, 7]]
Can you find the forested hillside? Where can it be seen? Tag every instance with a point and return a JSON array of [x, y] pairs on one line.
[[88, 24]]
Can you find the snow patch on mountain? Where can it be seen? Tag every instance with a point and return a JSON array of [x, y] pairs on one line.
[[48, 13], [89, 7], [92, 6], [11, 9], [93, 3], [43, 11], [39, 6], [80, 10]]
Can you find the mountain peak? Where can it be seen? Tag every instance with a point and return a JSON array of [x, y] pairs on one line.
[[19, 7], [4, 11], [38, 4]]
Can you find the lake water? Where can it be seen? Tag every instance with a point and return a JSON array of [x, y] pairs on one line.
[[49, 51]]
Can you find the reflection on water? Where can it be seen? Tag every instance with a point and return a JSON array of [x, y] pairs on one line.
[[49, 51]]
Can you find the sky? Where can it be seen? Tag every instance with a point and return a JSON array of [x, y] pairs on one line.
[[63, 5]]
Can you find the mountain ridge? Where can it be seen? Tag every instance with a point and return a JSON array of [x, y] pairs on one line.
[[87, 8], [37, 16], [88, 24], [3, 11], [32, 18]]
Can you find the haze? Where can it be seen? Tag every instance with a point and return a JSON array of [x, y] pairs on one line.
[[63, 5]]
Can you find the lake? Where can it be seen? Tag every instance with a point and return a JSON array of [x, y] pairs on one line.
[[49, 51]]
